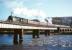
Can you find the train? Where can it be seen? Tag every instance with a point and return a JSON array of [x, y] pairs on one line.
[[16, 19], [19, 20]]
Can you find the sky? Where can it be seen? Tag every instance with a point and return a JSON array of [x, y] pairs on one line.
[[35, 9]]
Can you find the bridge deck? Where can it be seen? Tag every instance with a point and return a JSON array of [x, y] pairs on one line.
[[19, 25], [2, 25]]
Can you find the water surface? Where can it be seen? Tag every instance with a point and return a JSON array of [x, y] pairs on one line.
[[54, 42]]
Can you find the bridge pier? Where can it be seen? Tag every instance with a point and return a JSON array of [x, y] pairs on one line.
[[15, 38], [16, 33], [21, 36], [47, 32], [58, 29], [35, 33]]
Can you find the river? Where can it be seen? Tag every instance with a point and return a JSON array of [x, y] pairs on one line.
[[53, 42]]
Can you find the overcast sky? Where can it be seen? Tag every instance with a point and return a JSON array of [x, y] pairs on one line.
[[39, 9]]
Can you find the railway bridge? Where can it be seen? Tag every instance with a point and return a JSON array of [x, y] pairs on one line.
[[20, 27]]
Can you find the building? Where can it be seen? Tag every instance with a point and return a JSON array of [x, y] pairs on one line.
[[62, 20]]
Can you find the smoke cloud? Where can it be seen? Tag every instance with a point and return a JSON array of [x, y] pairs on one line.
[[18, 9]]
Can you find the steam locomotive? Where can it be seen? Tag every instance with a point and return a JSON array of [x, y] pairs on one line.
[[24, 21]]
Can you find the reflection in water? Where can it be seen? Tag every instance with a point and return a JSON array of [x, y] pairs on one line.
[[20, 42], [15, 42], [50, 42]]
